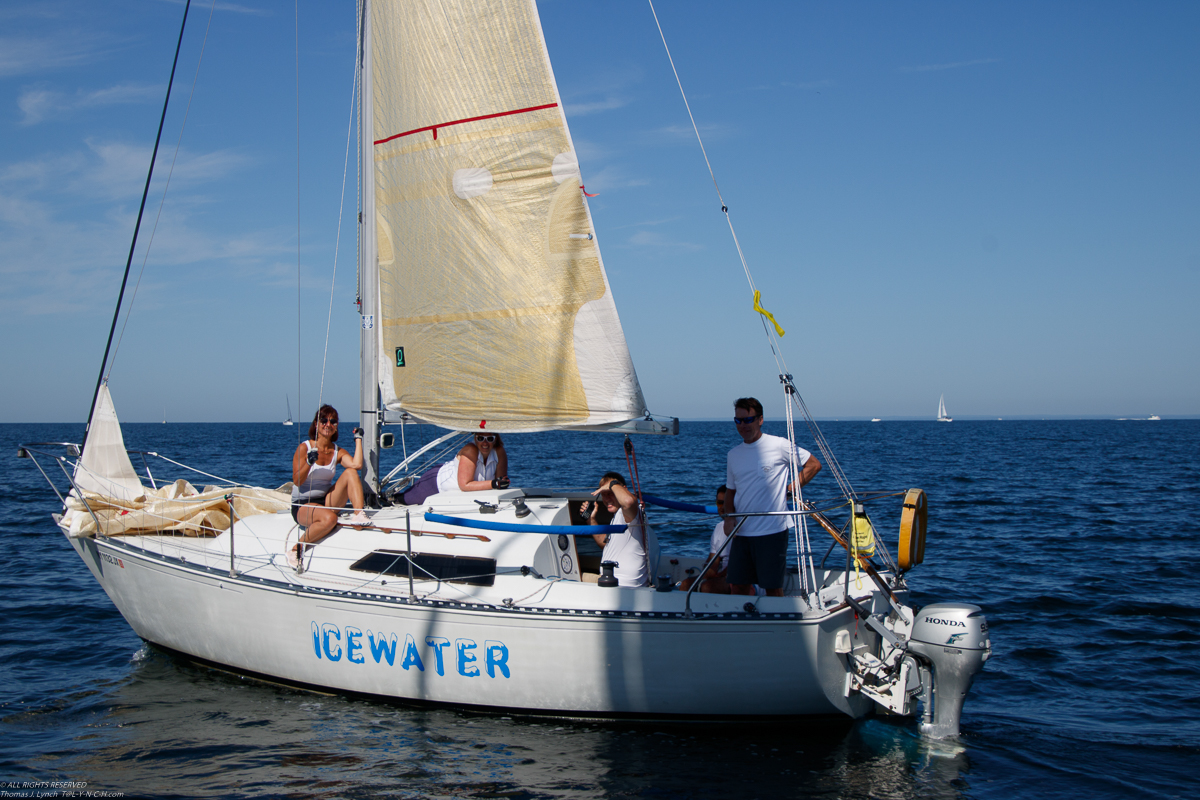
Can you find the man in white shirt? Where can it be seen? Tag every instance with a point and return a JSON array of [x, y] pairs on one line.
[[616, 505], [757, 479]]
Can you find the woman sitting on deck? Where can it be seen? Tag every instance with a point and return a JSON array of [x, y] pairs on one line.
[[316, 497], [481, 464]]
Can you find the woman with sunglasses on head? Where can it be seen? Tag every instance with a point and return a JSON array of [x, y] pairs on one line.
[[481, 464], [316, 496]]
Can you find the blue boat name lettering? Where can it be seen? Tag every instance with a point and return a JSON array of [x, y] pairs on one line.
[[437, 643], [411, 657], [354, 646], [466, 660], [331, 643]]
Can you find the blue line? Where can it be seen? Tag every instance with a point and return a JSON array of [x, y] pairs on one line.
[[571, 530], [678, 506]]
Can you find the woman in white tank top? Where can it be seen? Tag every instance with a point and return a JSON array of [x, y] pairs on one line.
[[316, 496]]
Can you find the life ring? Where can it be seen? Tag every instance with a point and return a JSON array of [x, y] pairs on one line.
[[913, 520]]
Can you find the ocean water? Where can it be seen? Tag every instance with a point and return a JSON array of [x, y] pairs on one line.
[[1076, 538]]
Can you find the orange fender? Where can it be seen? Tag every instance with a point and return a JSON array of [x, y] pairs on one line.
[[913, 521]]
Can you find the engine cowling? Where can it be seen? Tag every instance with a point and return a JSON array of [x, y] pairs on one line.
[[952, 640]]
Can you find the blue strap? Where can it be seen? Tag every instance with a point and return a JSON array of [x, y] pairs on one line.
[[487, 525], [678, 506]]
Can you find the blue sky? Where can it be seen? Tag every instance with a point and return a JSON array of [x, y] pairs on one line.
[[993, 201]]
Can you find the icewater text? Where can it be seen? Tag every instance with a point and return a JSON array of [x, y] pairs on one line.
[[467, 657]]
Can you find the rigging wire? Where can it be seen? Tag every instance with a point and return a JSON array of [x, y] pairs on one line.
[[163, 201], [359, 66], [773, 335], [338, 240], [299, 310], [137, 226], [780, 364]]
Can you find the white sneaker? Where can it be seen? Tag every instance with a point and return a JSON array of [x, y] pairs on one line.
[[358, 519]]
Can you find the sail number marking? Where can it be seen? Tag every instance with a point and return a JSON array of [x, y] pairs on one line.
[[333, 643]]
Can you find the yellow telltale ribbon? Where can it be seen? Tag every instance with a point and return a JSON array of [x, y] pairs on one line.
[[758, 307]]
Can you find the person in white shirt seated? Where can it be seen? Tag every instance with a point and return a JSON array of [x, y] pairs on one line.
[[481, 464], [714, 578], [616, 505]]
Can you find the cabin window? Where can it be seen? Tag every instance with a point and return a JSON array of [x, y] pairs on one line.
[[452, 569]]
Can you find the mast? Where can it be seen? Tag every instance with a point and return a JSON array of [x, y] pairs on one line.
[[368, 263]]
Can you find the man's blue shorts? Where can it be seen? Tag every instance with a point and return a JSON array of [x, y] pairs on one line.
[[760, 560]]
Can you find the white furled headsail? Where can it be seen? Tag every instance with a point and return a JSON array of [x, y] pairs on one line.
[[495, 307], [104, 467]]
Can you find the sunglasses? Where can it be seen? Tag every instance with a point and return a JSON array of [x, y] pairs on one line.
[[480, 437], [744, 420], [329, 421]]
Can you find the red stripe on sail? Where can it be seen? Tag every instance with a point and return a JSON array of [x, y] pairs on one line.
[[434, 128]]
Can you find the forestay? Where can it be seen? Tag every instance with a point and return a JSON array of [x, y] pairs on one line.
[[494, 303]]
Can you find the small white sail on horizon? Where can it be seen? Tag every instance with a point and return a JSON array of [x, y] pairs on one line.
[[288, 421], [941, 415]]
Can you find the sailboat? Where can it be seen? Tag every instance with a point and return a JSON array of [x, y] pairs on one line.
[[480, 268], [288, 421], [942, 417]]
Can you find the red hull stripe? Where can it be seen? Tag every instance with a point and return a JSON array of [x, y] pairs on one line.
[[434, 128]]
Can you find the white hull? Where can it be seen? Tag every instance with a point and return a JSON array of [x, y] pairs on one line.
[[566, 647]]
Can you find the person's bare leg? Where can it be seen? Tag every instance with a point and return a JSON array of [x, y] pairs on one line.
[[353, 488], [741, 588], [319, 522], [348, 487]]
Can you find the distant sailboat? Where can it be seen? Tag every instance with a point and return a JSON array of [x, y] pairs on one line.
[[288, 421], [876, 419], [941, 417]]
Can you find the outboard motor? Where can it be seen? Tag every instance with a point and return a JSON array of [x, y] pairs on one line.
[[951, 641]]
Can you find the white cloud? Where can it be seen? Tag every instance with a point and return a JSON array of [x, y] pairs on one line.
[[952, 65], [20, 55], [236, 8], [674, 134], [122, 93], [583, 109], [65, 221], [118, 170], [648, 223], [821, 84], [39, 103], [656, 239], [610, 179]]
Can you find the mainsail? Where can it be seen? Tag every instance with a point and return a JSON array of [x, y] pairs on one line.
[[494, 304]]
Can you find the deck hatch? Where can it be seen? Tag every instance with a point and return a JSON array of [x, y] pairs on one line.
[[452, 569]]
